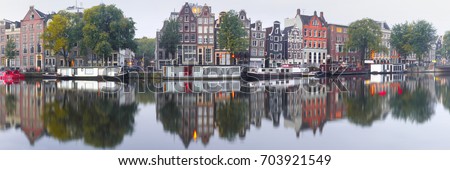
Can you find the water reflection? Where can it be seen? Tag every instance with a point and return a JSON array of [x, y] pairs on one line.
[[100, 114], [214, 113]]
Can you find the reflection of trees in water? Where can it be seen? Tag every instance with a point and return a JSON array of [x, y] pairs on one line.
[[443, 92], [171, 117], [100, 122], [10, 104], [363, 109], [415, 106], [231, 117]]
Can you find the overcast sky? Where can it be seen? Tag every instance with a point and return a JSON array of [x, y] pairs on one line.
[[150, 14]]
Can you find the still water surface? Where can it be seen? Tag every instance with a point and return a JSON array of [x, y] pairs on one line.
[[368, 112]]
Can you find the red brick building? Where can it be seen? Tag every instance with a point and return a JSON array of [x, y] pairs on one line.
[[314, 38], [31, 52], [337, 37]]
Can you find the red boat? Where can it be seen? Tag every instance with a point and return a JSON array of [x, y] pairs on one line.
[[7, 75], [18, 74]]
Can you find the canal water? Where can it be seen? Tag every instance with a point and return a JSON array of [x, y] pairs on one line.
[[361, 112]]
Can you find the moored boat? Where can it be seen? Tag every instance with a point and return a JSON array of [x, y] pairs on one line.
[[283, 72], [92, 73]]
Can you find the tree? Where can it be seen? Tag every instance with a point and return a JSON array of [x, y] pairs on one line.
[[401, 39], [364, 35], [170, 37], [63, 33], [106, 30], [446, 44], [423, 35], [146, 48], [232, 34], [10, 51]]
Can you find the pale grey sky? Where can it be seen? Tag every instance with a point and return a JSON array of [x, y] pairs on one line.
[[150, 14]]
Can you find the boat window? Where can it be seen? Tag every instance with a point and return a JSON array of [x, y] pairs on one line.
[[263, 70]]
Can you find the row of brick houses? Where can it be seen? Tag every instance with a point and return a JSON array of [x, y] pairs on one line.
[[307, 40], [31, 54]]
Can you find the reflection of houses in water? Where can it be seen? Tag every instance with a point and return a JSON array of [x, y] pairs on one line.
[[314, 107], [22, 106], [30, 98], [197, 104]]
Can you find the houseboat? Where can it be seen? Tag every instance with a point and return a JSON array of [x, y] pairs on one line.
[[340, 69], [95, 86], [387, 68], [92, 73], [199, 72], [284, 72]]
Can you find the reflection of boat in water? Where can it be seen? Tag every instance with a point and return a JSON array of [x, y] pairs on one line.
[[380, 78], [49, 76], [200, 86], [283, 82], [98, 86]]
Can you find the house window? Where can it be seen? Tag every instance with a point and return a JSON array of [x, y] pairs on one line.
[[208, 55], [254, 44], [25, 61], [193, 37], [31, 60], [25, 48], [200, 39], [192, 27]]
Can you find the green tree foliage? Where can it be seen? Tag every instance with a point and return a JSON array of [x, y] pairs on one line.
[[446, 45], [170, 37], [106, 30], [401, 39], [11, 51], [364, 35], [423, 35], [146, 48], [63, 33], [231, 36]]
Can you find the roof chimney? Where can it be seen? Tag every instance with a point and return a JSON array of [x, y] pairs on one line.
[[315, 13], [32, 7], [298, 11], [321, 14]]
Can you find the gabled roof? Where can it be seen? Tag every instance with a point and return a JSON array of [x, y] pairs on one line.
[[41, 14], [306, 19]]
